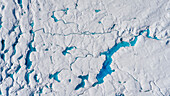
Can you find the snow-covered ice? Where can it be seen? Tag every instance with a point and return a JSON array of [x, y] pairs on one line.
[[84, 47]]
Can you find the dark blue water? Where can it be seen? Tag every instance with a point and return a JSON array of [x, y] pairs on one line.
[[1, 78], [6, 51], [0, 22], [7, 89], [69, 80], [112, 26], [13, 12], [28, 6], [13, 53], [82, 84], [119, 94], [73, 63], [76, 4], [27, 76], [32, 93], [106, 69], [46, 49], [2, 56], [0, 92], [55, 19], [65, 10], [35, 78], [20, 3], [40, 90], [3, 44], [18, 68], [51, 85], [147, 35], [32, 24], [12, 29], [64, 52], [8, 74], [15, 43], [97, 11], [3, 6], [167, 42], [28, 62], [132, 43], [54, 76], [20, 57], [31, 49], [14, 46]]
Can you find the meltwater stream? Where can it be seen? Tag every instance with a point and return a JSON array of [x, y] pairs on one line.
[[27, 76], [65, 10], [3, 44], [55, 19], [106, 69], [14, 45], [2, 55], [0, 22], [28, 62]]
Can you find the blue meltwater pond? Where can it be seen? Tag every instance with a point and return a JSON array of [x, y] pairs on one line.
[[55, 19], [66, 50], [28, 62], [82, 84], [106, 69], [55, 76]]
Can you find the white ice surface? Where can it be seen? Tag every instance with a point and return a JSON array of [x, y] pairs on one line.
[[140, 70]]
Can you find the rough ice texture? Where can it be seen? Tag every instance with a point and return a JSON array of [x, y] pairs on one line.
[[84, 47]]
